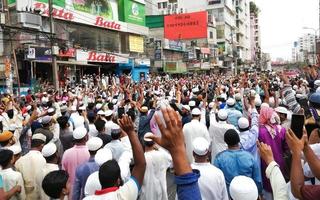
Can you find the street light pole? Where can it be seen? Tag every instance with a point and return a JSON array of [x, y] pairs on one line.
[[53, 56]]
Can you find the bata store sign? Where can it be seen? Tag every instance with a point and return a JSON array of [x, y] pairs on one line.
[[186, 26], [104, 16], [93, 56]]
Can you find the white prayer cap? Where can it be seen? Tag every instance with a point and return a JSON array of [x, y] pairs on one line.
[[102, 156], [46, 119], [50, 110], [318, 90], [63, 108], [186, 107], [73, 108], [39, 136], [79, 133], [101, 112], [192, 103], [317, 83], [243, 123], [146, 137], [98, 106], [195, 90], [211, 105], [114, 101], [196, 111], [200, 146], [223, 96], [49, 149], [237, 96], [94, 144], [272, 102], [264, 105], [82, 108], [295, 87], [281, 109], [231, 102], [92, 184], [242, 187], [16, 149], [12, 127], [108, 113], [252, 93], [29, 107], [222, 114], [300, 96], [257, 102]]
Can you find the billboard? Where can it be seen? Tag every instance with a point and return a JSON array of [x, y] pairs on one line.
[[136, 44], [132, 12], [186, 26]]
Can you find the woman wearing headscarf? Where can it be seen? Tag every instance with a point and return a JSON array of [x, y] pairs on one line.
[[273, 134]]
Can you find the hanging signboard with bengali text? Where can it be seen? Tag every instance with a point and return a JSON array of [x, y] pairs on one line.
[[186, 26]]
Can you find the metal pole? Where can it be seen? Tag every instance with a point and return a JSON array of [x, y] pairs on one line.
[[54, 58]]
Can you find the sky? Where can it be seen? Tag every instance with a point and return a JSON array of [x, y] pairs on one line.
[[282, 23]]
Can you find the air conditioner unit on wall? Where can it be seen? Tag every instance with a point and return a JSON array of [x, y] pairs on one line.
[[30, 20]]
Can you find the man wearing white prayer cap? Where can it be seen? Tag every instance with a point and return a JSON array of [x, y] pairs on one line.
[[217, 130], [77, 155], [185, 113], [192, 104], [157, 162], [49, 152], [87, 168], [243, 188], [92, 184], [233, 113], [30, 163], [116, 146], [16, 149], [109, 123], [212, 185], [194, 129], [283, 114], [45, 129]]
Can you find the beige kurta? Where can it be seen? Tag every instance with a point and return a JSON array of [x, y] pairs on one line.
[[45, 170], [29, 166]]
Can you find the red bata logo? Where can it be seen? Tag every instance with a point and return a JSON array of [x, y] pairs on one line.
[[57, 13], [101, 57], [107, 24]]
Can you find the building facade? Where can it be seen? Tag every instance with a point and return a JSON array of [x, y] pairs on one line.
[[304, 49], [90, 38], [255, 32]]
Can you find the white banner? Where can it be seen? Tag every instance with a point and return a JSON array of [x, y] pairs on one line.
[[93, 56]]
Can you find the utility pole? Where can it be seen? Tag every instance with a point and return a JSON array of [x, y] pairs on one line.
[[54, 57]]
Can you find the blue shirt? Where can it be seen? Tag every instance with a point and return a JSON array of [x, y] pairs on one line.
[[82, 174], [233, 116], [238, 162], [1, 182], [187, 186]]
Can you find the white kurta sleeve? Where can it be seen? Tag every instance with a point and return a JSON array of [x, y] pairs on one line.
[[278, 184]]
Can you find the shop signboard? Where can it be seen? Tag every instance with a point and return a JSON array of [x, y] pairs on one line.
[[158, 46], [103, 14], [132, 12], [175, 45], [186, 26], [102, 57], [171, 66], [136, 44], [142, 62], [39, 53], [69, 52]]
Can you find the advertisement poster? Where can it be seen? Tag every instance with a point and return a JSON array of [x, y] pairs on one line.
[[186, 26], [102, 8], [132, 12], [136, 44]]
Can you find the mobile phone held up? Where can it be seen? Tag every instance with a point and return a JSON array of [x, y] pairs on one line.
[[297, 123]]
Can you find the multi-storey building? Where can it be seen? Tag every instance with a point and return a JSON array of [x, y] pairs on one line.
[[255, 35], [304, 49]]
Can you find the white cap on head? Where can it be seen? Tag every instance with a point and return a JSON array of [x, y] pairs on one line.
[[29, 107], [231, 102], [82, 108], [50, 110], [63, 108], [264, 105], [16, 149], [94, 144], [196, 111], [192, 103], [237, 97], [211, 105], [223, 96], [146, 137], [281, 110], [243, 123], [200, 146], [98, 106], [272, 102], [102, 156], [46, 119], [12, 127], [252, 93], [73, 108], [295, 87], [39, 136], [114, 101], [318, 90], [257, 102], [186, 107], [79, 133], [49, 149], [222, 114], [317, 83], [101, 112], [242, 187], [195, 90], [108, 113]]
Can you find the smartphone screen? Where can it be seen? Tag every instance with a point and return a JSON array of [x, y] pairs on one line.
[[297, 123]]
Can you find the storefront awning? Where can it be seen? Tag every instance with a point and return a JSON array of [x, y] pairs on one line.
[[66, 63], [205, 50]]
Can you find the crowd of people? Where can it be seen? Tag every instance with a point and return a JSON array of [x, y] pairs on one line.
[[223, 137]]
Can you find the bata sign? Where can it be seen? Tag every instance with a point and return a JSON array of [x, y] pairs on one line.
[[93, 56], [78, 17]]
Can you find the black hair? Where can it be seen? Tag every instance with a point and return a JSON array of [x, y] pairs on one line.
[[115, 135], [99, 124], [51, 158], [244, 129], [63, 122], [5, 157], [5, 143], [109, 174], [90, 106], [231, 137], [91, 118], [108, 118], [54, 182], [36, 143], [110, 106], [10, 113], [148, 143]]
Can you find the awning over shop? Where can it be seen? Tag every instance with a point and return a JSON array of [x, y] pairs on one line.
[[65, 63], [205, 50]]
